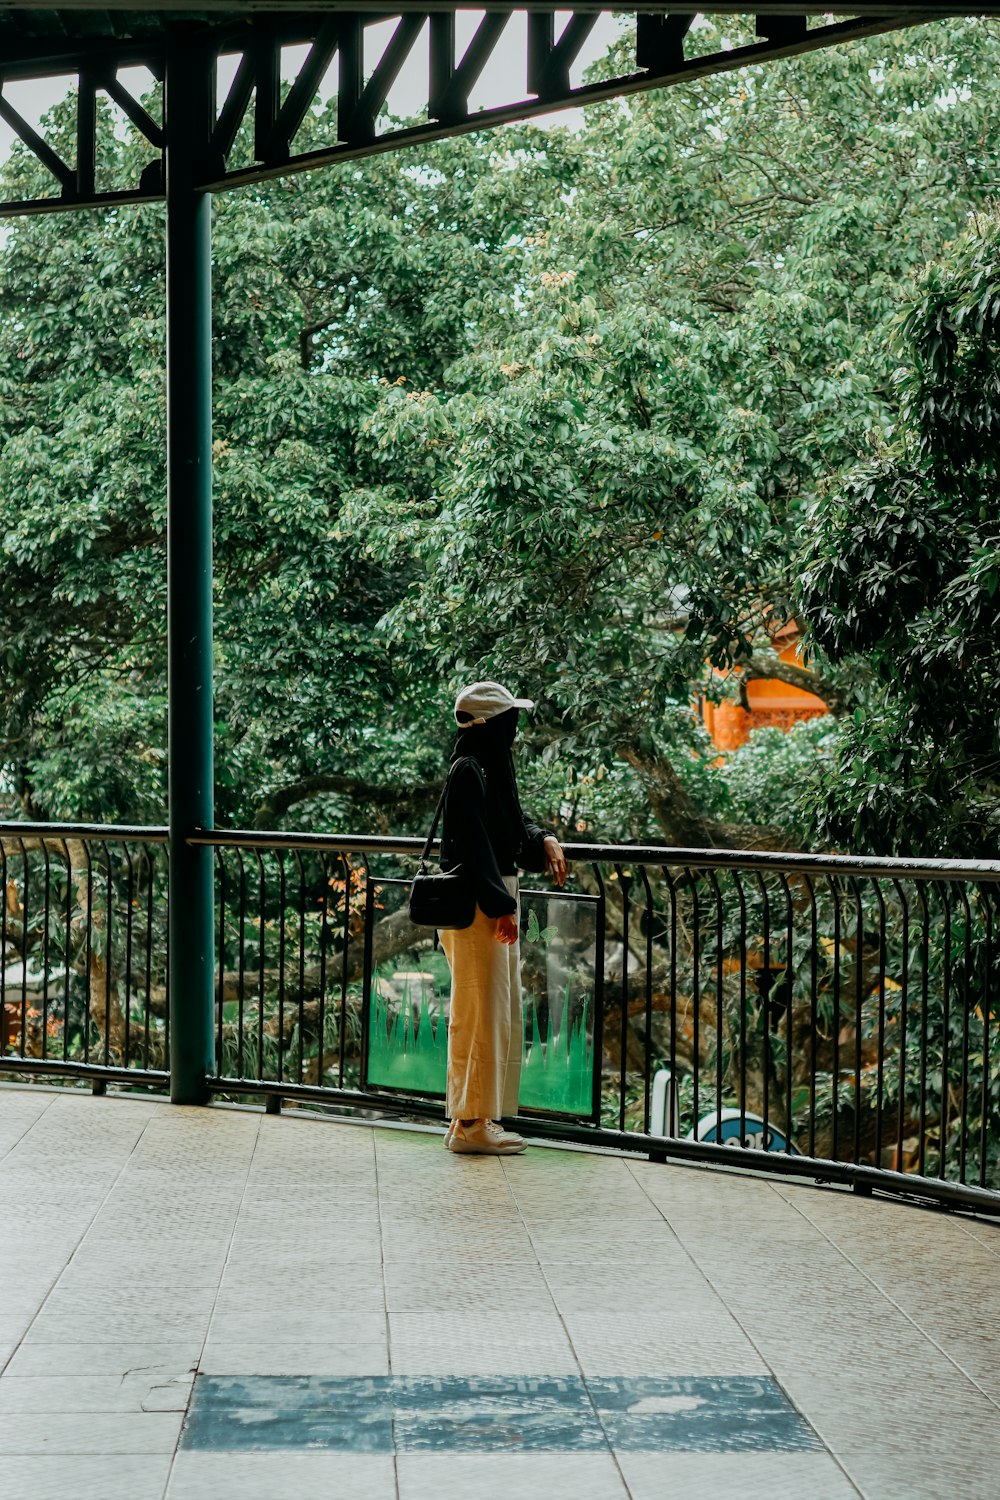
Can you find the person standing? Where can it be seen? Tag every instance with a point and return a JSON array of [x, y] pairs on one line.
[[485, 830]]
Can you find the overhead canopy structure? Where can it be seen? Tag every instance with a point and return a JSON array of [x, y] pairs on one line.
[[355, 52]]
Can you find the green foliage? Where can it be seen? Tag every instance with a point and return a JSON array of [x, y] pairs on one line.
[[777, 777], [902, 565], [557, 406]]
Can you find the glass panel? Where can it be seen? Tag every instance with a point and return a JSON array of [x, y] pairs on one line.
[[408, 1005]]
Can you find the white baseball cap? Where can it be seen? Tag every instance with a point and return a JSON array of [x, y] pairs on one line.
[[484, 700]]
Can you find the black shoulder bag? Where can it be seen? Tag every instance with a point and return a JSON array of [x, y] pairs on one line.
[[447, 899]]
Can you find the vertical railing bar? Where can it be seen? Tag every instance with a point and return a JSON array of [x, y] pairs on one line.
[[813, 1007], [3, 945], [598, 1017], [129, 898], [765, 994], [695, 992], [280, 860], [945, 1030], [741, 896], [859, 927], [150, 876], [302, 960], [719, 995], [46, 913], [366, 976], [241, 964], [965, 997], [262, 917], [880, 1062], [24, 953], [648, 1049], [835, 1073], [925, 1001], [321, 1060], [624, 881], [67, 947], [220, 860], [904, 1019], [789, 990], [987, 896], [344, 970], [89, 1012], [166, 956], [108, 918], [673, 982]]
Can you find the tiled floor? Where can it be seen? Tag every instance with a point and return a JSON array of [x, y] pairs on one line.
[[140, 1244]]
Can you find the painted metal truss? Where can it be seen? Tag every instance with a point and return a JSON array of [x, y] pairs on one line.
[[255, 130]]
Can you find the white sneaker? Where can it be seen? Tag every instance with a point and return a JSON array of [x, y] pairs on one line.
[[484, 1139]]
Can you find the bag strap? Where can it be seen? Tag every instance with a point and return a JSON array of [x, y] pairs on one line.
[[425, 852]]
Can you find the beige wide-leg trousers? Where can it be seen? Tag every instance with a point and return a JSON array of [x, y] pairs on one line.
[[484, 1032]]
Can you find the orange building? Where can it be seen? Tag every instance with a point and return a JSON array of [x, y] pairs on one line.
[[771, 702]]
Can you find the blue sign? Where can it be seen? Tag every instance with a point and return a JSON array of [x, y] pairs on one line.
[[728, 1126]]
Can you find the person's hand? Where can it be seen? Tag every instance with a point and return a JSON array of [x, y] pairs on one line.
[[555, 859], [506, 930]]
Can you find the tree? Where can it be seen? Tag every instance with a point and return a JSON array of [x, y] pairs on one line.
[[538, 403], [617, 475], [902, 567]]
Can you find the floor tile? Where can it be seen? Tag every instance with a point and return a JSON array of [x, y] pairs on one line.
[[750, 1476], [295, 1358], [273, 1476], [102, 1434], [167, 1359], [143, 1391], [85, 1477], [512, 1476]]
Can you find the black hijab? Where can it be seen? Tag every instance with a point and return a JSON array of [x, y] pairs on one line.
[[490, 744]]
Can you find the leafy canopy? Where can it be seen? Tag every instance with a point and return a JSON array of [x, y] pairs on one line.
[[559, 406]]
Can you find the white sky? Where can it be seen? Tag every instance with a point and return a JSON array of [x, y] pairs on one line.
[[503, 79]]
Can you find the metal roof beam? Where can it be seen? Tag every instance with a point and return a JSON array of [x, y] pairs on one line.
[[660, 62], [673, 68]]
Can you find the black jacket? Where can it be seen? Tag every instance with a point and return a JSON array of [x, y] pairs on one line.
[[487, 843]]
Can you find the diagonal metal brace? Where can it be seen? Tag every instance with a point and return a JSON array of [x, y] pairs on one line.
[[132, 109], [233, 111], [357, 123], [289, 117], [63, 174], [451, 82], [549, 61]]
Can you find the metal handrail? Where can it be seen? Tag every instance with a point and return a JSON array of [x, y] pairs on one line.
[[113, 833], [649, 854], [793, 862]]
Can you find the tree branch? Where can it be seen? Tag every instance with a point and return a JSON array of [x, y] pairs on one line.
[[683, 824], [419, 798], [772, 668]]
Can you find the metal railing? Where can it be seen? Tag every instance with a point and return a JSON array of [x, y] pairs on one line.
[[837, 1014], [83, 950]]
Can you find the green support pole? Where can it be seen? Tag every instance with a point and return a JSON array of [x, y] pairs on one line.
[[188, 100]]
